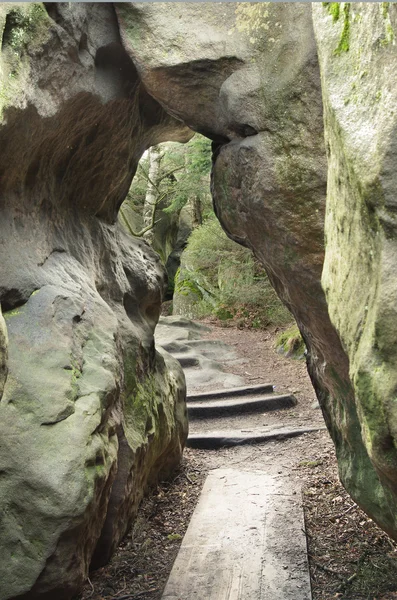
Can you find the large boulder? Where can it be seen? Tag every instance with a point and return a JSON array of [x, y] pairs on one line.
[[248, 76], [90, 412]]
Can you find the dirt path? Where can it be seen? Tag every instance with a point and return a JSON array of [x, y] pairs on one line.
[[350, 557]]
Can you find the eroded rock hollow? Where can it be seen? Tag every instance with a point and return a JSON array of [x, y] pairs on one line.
[[303, 175]]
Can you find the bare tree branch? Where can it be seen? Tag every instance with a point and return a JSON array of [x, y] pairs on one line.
[[142, 232]]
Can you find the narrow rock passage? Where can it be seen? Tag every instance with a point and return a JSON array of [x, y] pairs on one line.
[[246, 539]]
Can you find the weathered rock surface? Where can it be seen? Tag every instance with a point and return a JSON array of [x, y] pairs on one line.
[[90, 412], [201, 359], [358, 57], [248, 76]]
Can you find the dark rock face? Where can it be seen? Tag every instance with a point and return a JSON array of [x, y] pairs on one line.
[[251, 81], [90, 412]]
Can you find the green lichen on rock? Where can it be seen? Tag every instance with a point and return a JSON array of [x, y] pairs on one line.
[[11, 313], [333, 9], [385, 9], [133, 29], [140, 408], [74, 379], [252, 20], [62, 427], [389, 36], [150, 398], [359, 275], [389, 33], [343, 45]]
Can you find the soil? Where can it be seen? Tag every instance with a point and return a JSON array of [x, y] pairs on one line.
[[350, 557]]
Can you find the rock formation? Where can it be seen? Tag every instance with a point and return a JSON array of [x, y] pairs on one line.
[[358, 55], [248, 76], [89, 411]]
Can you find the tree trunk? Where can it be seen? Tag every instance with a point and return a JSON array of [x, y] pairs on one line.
[[197, 216], [151, 197]]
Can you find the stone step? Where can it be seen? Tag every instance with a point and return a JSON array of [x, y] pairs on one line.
[[232, 407], [214, 440], [187, 360], [245, 541], [246, 390]]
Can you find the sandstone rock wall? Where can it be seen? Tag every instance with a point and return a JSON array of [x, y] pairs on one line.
[[359, 81], [90, 412]]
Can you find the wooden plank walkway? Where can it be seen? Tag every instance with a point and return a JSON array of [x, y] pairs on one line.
[[245, 541]]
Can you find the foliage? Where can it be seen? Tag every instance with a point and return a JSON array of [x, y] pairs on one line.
[[169, 177], [217, 276], [194, 178], [221, 278], [136, 194], [184, 173], [22, 24]]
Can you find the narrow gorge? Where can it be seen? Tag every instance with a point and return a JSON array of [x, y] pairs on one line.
[[299, 102]]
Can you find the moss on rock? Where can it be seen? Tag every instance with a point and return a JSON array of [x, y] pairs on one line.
[[359, 275], [290, 343]]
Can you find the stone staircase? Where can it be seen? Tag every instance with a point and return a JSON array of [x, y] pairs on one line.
[[246, 539], [222, 416], [238, 403]]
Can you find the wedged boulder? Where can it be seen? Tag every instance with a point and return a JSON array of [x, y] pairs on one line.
[[90, 412], [248, 76], [184, 53], [358, 57]]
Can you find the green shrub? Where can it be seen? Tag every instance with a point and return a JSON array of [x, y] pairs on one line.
[[221, 278]]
